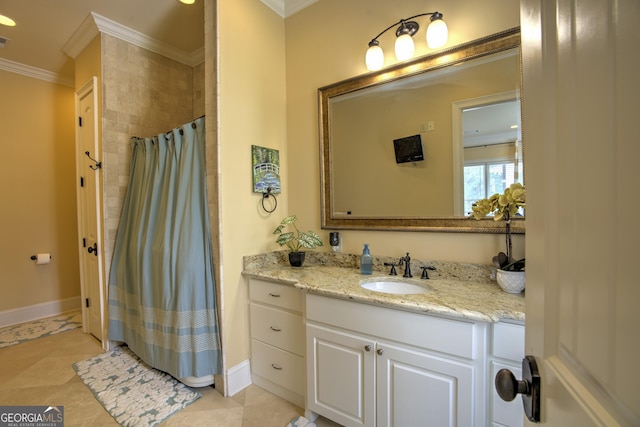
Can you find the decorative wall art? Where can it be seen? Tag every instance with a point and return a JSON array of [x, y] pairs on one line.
[[266, 170]]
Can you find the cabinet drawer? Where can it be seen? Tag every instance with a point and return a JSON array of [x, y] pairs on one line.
[[277, 327], [285, 296], [279, 366], [508, 341]]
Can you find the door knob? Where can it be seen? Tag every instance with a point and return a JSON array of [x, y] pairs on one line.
[[93, 249], [508, 387]]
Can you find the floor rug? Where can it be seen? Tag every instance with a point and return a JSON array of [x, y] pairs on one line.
[[300, 422], [131, 391], [16, 334]]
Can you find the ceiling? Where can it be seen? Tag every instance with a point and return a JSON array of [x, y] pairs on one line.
[[44, 27]]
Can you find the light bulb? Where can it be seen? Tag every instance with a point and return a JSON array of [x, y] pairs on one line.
[[374, 58], [437, 33], [404, 47], [5, 20]]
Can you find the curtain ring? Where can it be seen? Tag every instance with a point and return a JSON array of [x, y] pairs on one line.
[[266, 196]]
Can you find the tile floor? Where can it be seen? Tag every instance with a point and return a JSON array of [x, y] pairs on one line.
[[40, 372]]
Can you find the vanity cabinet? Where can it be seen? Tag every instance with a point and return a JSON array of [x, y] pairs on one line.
[[374, 366], [507, 352], [277, 339]]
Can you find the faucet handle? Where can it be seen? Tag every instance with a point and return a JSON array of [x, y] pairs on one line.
[[425, 275], [393, 271]]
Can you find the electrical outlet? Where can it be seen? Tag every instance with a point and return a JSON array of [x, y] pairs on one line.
[[431, 126]]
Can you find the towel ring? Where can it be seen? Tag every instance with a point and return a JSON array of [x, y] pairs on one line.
[[266, 196]]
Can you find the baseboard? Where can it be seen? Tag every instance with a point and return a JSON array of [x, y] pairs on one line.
[[38, 311], [238, 377]]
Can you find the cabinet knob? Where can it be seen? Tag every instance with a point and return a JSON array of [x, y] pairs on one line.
[[367, 348], [508, 387], [380, 351]]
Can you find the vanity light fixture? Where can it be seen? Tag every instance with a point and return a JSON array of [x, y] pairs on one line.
[[188, 1], [437, 34], [5, 20]]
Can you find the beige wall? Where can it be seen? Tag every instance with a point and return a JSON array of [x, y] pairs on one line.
[[37, 187], [252, 107], [326, 43]]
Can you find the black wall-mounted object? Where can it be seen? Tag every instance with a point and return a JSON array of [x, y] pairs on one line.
[[408, 149]]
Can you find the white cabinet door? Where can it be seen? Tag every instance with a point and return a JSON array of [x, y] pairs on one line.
[[420, 389], [340, 376]]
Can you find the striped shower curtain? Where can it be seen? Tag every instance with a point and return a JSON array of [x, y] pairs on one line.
[[162, 294]]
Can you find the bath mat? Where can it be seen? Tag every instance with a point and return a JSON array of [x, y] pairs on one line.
[[300, 422], [16, 334], [132, 392]]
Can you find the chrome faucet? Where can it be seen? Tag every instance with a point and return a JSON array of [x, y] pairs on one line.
[[406, 260]]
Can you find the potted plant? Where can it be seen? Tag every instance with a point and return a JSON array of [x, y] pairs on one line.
[[510, 273], [296, 240]]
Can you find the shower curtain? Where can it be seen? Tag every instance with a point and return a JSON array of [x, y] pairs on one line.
[[162, 296]]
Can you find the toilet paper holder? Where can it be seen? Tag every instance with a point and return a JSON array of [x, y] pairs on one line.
[[35, 257]]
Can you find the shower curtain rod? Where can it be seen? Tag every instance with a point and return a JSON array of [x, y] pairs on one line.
[[193, 125]]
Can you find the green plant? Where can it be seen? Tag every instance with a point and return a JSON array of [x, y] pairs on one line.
[[503, 207], [296, 239]]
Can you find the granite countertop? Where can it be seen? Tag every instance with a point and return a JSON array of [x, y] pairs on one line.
[[455, 290]]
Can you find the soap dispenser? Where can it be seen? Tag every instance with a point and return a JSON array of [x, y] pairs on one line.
[[366, 261]]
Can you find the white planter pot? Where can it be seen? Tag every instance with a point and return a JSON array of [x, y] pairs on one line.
[[511, 281]]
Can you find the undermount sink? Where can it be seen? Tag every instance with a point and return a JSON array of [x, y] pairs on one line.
[[393, 287]]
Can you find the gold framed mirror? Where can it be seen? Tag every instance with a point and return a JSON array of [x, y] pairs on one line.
[[364, 185]]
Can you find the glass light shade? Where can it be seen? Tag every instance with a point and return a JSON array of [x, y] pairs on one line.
[[404, 47], [437, 34], [374, 58], [5, 20]]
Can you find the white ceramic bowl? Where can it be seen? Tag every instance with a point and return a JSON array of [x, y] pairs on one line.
[[511, 281]]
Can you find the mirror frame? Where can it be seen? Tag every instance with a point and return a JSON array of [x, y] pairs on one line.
[[495, 43]]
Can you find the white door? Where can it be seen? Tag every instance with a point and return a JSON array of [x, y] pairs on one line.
[[88, 174], [581, 103]]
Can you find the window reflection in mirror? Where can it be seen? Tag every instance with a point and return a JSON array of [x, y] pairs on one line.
[[492, 147]]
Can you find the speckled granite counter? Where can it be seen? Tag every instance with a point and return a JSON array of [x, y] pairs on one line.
[[456, 290]]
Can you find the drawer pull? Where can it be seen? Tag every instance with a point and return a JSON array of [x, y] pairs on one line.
[[271, 294], [275, 329], [276, 367]]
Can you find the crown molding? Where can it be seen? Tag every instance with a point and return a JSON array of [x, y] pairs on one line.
[[95, 24], [81, 38], [286, 8], [36, 73], [295, 6], [276, 5]]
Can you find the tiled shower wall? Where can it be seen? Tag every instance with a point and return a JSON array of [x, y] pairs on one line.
[[144, 94]]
